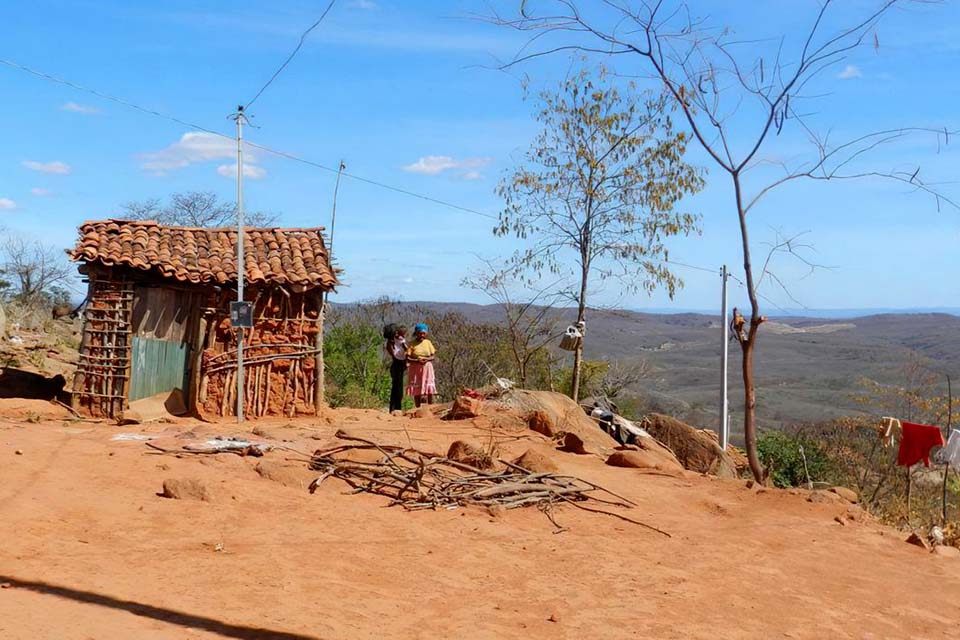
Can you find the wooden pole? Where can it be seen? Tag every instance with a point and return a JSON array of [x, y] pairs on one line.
[[200, 329], [319, 377], [946, 463], [909, 494]]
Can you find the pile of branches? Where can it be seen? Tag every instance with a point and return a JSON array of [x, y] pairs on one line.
[[419, 480]]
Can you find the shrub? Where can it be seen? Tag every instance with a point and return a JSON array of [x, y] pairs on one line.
[[780, 452]]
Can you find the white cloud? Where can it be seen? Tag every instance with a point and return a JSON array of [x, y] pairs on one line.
[[433, 165], [365, 5], [40, 191], [56, 166], [198, 147], [79, 108], [849, 72], [251, 171], [6, 204]]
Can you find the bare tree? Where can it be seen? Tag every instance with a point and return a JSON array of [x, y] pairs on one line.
[[195, 209], [532, 321], [35, 272], [737, 97], [596, 195], [621, 375]]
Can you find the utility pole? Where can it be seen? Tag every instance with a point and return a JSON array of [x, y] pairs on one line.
[[724, 413], [333, 213], [239, 117]]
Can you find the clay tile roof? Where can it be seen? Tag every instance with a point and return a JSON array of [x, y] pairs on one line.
[[191, 254]]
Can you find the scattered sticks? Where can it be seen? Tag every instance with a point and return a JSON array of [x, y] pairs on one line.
[[419, 480]]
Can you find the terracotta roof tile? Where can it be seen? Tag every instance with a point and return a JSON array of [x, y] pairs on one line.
[[190, 254]]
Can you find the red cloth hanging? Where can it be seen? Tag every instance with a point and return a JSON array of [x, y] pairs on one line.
[[916, 443]]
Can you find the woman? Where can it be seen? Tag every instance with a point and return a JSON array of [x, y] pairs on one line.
[[396, 350], [420, 354]]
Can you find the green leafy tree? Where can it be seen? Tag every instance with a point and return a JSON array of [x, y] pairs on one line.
[[596, 195], [353, 360]]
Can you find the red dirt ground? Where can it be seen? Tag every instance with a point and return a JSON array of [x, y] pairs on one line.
[[91, 551]]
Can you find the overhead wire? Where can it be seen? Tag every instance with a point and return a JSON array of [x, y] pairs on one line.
[[293, 54], [192, 125]]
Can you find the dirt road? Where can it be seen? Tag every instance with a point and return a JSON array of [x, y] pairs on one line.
[[91, 551]]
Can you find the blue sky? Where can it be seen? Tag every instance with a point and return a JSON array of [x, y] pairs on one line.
[[405, 93]]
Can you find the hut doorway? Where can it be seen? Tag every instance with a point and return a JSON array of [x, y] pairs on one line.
[[164, 320]]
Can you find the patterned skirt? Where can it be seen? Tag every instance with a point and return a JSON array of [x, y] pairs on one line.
[[420, 379]]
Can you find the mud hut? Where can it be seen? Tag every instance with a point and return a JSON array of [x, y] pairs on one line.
[[157, 318]]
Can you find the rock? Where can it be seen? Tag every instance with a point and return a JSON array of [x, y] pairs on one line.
[[840, 520], [749, 484], [643, 460], [470, 454], [823, 497], [847, 494], [18, 452], [695, 449], [572, 443], [551, 414], [289, 475], [465, 407], [946, 551], [129, 417], [536, 462], [918, 540], [186, 489], [540, 422]]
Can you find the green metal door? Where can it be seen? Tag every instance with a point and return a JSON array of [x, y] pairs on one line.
[[158, 366]]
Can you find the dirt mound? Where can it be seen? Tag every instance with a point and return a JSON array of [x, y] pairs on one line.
[[471, 454], [291, 475], [536, 462], [553, 414], [696, 449], [186, 489], [645, 454]]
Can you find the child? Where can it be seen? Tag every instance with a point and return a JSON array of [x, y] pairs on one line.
[[420, 354], [396, 350]]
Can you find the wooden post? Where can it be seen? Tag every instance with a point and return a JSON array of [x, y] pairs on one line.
[[319, 378], [909, 494], [946, 463], [199, 338]]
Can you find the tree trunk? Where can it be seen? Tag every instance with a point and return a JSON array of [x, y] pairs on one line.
[[749, 407], [578, 354], [747, 344]]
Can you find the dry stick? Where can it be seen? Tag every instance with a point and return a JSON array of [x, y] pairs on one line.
[[616, 515], [67, 407]]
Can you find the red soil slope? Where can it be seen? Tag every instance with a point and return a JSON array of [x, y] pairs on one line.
[[91, 551]]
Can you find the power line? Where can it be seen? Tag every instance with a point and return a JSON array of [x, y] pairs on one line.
[[382, 185], [759, 295], [106, 96], [692, 266], [193, 125], [303, 38]]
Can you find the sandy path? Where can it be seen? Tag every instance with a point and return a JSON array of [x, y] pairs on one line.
[[90, 551]]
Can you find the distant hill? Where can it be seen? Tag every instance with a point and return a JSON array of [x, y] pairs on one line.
[[807, 368]]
